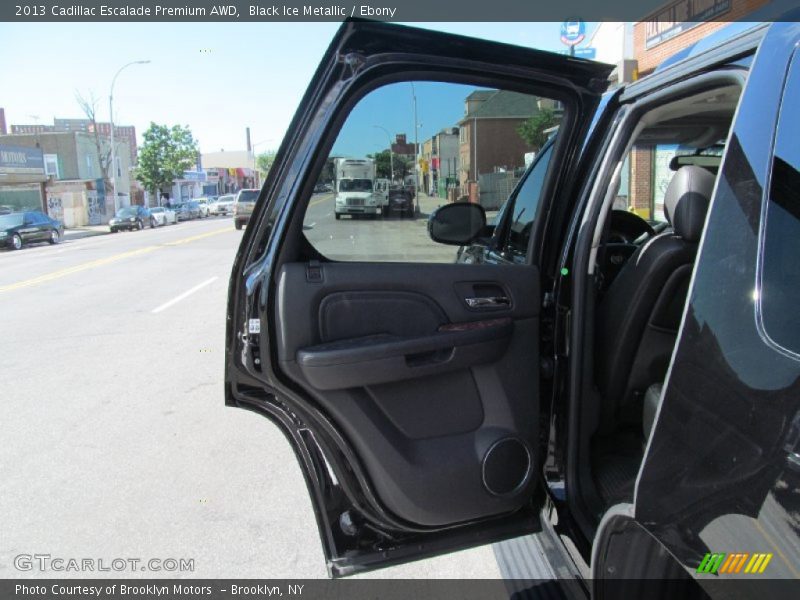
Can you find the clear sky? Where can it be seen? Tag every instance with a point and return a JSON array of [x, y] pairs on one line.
[[217, 78], [391, 107]]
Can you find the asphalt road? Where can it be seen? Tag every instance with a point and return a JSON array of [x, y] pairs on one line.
[[116, 442], [396, 238]]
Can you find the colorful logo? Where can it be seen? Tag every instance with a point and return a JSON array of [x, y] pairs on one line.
[[573, 32], [736, 562]]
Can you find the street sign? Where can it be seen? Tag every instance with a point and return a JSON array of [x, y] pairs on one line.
[[21, 159], [589, 53], [573, 32]]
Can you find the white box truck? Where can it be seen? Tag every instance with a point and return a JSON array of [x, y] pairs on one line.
[[355, 187]]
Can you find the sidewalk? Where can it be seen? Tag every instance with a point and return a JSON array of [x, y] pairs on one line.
[[76, 233], [427, 204]]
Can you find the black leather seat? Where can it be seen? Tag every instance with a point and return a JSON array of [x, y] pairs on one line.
[[638, 318]]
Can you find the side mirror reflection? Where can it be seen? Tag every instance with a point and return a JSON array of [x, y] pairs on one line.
[[457, 224]]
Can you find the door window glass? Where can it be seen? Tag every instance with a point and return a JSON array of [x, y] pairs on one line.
[[408, 148], [525, 204], [780, 275]]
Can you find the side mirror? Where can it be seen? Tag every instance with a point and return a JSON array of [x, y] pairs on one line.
[[456, 224]]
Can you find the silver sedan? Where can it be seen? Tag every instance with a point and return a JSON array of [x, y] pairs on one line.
[[164, 215]]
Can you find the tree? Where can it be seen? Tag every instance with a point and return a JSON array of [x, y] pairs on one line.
[[264, 161], [532, 131], [89, 108], [383, 165], [166, 153]]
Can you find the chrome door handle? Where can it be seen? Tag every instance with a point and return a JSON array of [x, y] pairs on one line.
[[487, 301]]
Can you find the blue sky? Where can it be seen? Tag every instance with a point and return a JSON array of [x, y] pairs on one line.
[[439, 105], [217, 78]]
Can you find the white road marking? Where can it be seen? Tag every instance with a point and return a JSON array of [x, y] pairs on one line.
[[184, 295]]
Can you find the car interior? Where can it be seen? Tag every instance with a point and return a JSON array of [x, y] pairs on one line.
[[642, 270]]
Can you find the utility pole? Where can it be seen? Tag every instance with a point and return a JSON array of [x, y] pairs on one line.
[[416, 147], [111, 119]]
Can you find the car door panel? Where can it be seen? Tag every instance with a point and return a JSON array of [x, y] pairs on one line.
[[421, 399], [29, 232], [410, 392]]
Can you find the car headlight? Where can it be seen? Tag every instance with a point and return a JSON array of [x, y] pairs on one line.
[[3, 234]]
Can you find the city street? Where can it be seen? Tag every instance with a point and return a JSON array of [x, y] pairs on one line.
[[116, 442], [380, 239]]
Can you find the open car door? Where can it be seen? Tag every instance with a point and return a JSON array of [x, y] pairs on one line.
[[408, 390]]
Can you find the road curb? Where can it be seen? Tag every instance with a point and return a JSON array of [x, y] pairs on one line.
[[76, 234]]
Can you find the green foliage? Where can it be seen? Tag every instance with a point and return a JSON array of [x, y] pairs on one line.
[[383, 165], [532, 130], [264, 161], [166, 153]]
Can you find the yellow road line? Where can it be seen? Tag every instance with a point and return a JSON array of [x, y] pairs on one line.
[[199, 236], [777, 550], [315, 202], [104, 261]]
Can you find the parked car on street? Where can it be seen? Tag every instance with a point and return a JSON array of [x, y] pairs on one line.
[[223, 205], [243, 206], [164, 215], [187, 211], [130, 218], [626, 387], [202, 205], [400, 202], [195, 209], [20, 228]]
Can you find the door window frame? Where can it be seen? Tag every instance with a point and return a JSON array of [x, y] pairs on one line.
[[294, 243], [501, 238], [592, 210], [792, 77]]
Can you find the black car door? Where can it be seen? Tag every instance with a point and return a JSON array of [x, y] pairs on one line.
[[409, 391], [40, 225], [30, 231]]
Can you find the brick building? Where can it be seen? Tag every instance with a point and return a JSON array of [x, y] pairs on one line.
[[680, 24], [673, 28], [123, 133], [440, 155], [71, 163], [488, 137], [403, 148]]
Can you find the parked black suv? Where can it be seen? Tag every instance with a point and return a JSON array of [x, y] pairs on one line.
[[130, 218], [400, 202], [631, 384]]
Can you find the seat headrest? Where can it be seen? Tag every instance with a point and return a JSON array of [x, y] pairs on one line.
[[686, 201]]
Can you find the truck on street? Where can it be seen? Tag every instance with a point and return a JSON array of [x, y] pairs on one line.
[[355, 187]]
